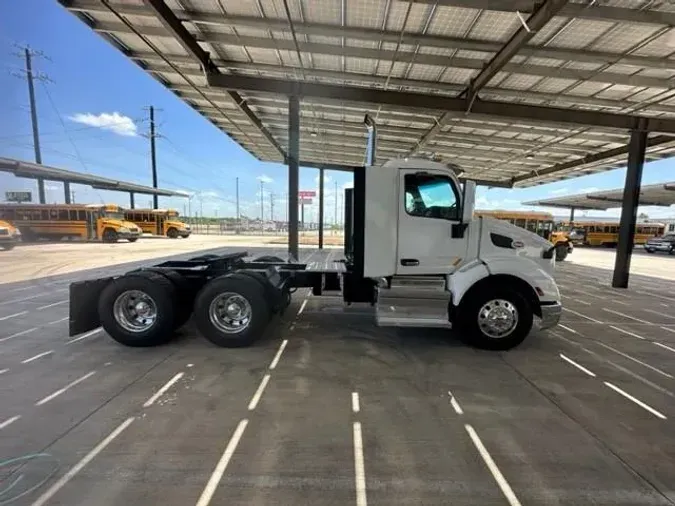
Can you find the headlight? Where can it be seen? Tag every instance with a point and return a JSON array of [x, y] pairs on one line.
[[124, 230], [17, 232]]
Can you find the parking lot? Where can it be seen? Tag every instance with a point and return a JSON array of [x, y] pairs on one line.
[[330, 410]]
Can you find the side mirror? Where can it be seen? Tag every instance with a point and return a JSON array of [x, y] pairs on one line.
[[468, 201]]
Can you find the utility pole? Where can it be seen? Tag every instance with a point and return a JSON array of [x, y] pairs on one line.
[[72, 197], [271, 206], [34, 120], [153, 158], [335, 219], [262, 216], [238, 225]]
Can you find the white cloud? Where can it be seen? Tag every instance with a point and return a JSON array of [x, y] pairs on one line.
[[53, 186], [265, 179], [590, 189], [348, 184], [115, 122], [559, 191]]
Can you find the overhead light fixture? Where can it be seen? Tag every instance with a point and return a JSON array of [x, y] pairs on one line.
[[529, 155], [313, 133]]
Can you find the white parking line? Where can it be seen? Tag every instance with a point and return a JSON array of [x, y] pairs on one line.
[[659, 313], [40, 355], [582, 315], [51, 305], [49, 493], [281, 349], [13, 315], [575, 299], [568, 329], [580, 367], [626, 316], [359, 467], [625, 332], [162, 390], [258, 393], [302, 307], [64, 389], [669, 330], [356, 407], [619, 302], [655, 369], [84, 336], [655, 295], [653, 342], [636, 401], [58, 321], [218, 472], [32, 297], [3, 371], [9, 421], [22, 333], [496, 473], [589, 294], [455, 405]]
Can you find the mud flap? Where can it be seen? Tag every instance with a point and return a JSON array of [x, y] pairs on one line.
[[84, 297]]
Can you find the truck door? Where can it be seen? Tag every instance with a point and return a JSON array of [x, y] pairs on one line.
[[429, 206]]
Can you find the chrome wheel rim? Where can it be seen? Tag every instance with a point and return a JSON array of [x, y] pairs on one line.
[[230, 312], [135, 311], [498, 318]]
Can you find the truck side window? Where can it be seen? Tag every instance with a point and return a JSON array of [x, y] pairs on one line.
[[431, 196]]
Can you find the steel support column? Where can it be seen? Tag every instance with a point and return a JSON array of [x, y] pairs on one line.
[[631, 199], [66, 192], [321, 181], [132, 203], [293, 174], [571, 215]]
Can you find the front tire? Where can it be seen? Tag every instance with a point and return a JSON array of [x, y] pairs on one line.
[[172, 233], [561, 252], [495, 319], [132, 239], [649, 250], [110, 236], [231, 311], [138, 309], [8, 247]]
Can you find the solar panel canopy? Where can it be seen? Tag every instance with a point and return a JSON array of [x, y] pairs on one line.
[[515, 92], [661, 194]]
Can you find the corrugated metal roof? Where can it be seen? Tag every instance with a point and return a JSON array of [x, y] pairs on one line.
[[616, 57]]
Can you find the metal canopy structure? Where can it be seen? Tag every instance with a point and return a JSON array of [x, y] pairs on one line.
[[34, 170], [517, 92], [661, 194]]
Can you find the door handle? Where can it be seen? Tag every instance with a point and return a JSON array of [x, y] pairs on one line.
[[409, 262]]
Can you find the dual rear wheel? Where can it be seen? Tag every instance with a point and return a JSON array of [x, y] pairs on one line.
[[145, 308]]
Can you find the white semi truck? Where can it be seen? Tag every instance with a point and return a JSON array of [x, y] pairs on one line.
[[413, 250]]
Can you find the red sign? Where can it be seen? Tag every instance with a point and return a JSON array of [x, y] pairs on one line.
[[306, 194]]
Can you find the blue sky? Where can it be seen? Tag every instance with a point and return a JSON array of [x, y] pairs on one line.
[[92, 118]]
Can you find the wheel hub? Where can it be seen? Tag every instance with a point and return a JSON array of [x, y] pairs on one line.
[[230, 312], [135, 311], [498, 318]]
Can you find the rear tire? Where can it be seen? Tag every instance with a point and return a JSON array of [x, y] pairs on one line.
[[110, 236], [132, 239], [172, 233], [7, 247], [499, 301], [649, 250], [119, 314], [231, 311], [561, 252], [184, 298]]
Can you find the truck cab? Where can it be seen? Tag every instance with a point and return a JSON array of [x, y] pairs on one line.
[[439, 266]]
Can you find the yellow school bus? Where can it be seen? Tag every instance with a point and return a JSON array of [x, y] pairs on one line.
[[601, 233], [100, 222], [538, 223], [158, 222], [9, 235]]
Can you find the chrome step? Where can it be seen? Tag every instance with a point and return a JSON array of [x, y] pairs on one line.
[[413, 301]]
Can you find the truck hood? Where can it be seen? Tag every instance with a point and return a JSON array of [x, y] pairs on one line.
[[528, 245]]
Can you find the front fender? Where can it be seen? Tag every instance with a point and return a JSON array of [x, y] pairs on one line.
[[527, 270], [464, 278]]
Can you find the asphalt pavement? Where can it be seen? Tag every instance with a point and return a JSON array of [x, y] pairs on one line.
[[328, 409]]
